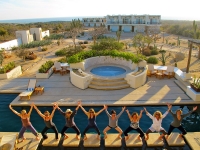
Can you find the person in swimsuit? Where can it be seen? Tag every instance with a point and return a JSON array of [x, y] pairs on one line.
[[48, 122], [177, 119], [113, 122], [26, 124], [157, 121], [69, 117], [134, 118], [91, 121]]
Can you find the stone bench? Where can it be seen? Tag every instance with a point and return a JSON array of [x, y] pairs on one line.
[[180, 75], [133, 141], [91, 141], [51, 141], [71, 141], [193, 140], [112, 140], [153, 140], [175, 140]]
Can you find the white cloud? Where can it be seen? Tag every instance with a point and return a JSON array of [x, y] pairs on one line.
[[19, 9]]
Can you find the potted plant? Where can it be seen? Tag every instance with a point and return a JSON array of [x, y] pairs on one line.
[[195, 85]]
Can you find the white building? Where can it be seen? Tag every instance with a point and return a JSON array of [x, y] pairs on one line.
[[132, 23], [94, 22], [35, 34]]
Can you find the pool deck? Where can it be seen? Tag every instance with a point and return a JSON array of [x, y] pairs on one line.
[[59, 89]]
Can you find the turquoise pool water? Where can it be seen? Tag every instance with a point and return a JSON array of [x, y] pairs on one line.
[[108, 71], [9, 122]]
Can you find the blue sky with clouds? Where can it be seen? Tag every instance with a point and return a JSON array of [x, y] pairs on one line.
[[26, 9]]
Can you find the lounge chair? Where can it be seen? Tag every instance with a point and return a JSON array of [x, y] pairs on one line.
[[30, 89], [57, 67], [169, 72], [8, 142], [151, 70]]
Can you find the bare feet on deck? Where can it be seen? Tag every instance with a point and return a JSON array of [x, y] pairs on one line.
[[105, 136], [85, 138], [77, 137], [37, 138], [66, 136], [126, 138], [181, 136], [166, 137], [119, 136], [147, 137], [139, 138], [98, 137]]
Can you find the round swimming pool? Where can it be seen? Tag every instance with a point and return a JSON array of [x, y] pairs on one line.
[[108, 71]]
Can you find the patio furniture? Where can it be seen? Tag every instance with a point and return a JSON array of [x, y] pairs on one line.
[[39, 89], [151, 70], [169, 72], [159, 75], [57, 67], [63, 71], [8, 142], [30, 89]]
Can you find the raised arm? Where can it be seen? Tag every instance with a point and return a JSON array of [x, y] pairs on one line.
[[106, 110], [123, 108], [169, 110], [140, 116], [29, 113], [84, 110], [194, 108], [39, 112], [129, 115], [14, 111], [78, 105], [55, 106], [147, 113], [96, 114]]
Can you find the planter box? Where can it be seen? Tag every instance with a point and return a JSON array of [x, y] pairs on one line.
[[45, 75], [193, 94], [14, 73], [194, 88], [80, 65]]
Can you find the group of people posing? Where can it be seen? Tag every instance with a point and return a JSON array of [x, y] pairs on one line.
[[113, 122]]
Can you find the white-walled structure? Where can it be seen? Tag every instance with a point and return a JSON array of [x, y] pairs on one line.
[[45, 33], [37, 34], [25, 36], [13, 43], [94, 22], [132, 23]]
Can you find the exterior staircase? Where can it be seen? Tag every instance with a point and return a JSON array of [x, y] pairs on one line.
[[108, 84]]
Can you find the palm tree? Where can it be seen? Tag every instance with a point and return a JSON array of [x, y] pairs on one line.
[[118, 34]]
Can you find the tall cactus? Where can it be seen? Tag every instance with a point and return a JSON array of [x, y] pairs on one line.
[[194, 30], [178, 41]]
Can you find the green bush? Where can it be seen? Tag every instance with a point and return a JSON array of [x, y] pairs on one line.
[[152, 60], [80, 42], [61, 52], [31, 57], [7, 68], [154, 52], [45, 67], [35, 44], [83, 46], [14, 48], [55, 37], [85, 42], [108, 44], [62, 60], [79, 57], [44, 49]]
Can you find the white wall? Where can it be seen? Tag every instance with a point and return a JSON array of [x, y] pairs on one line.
[[38, 32], [8, 45], [45, 33]]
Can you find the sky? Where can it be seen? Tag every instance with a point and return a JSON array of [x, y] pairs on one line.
[[168, 9]]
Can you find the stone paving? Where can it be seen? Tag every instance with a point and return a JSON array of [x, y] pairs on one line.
[[59, 89]]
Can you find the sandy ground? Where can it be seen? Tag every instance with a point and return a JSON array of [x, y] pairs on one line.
[[30, 67]]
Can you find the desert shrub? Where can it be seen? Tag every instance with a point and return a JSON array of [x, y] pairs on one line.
[[85, 42], [44, 49], [82, 33], [31, 57], [62, 60], [45, 67], [35, 44], [61, 52], [152, 60], [179, 56], [80, 56], [72, 51], [55, 37], [14, 48], [80, 42], [107, 44], [151, 47], [147, 52], [154, 52], [58, 42], [83, 46], [7, 68], [173, 44]]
